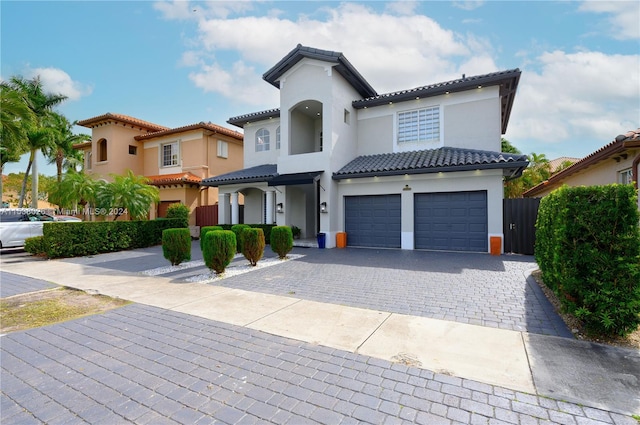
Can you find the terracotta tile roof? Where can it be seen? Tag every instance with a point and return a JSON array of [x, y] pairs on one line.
[[631, 139], [201, 125], [177, 178], [91, 122], [554, 164], [430, 161]]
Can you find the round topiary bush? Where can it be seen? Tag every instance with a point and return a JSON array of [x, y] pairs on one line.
[[218, 249], [176, 245], [204, 230], [179, 211], [281, 240], [253, 244], [237, 229]]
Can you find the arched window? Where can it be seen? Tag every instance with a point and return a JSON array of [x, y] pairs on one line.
[[102, 150], [262, 140], [278, 137]]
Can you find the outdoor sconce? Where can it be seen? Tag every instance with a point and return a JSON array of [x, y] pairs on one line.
[[279, 207], [323, 207]]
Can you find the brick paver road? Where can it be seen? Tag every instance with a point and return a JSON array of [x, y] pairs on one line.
[[145, 365]]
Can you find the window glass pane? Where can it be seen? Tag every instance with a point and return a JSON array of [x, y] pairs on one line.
[[419, 125]]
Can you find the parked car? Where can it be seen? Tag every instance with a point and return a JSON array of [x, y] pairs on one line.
[[66, 218], [18, 224]]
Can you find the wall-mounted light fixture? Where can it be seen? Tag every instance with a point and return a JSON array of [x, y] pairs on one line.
[[406, 187], [279, 207], [323, 207]]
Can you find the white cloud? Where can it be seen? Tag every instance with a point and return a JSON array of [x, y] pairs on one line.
[[392, 51], [468, 5], [577, 96], [401, 7], [622, 22], [59, 82]]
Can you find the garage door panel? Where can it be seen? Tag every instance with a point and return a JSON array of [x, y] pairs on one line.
[[373, 220], [455, 221]]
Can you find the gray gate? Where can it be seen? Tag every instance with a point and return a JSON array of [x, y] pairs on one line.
[[519, 224]]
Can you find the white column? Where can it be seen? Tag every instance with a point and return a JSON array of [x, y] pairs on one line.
[[235, 209], [269, 207], [223, 208]]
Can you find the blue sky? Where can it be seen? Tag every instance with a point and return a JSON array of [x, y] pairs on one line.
[[178, 63]]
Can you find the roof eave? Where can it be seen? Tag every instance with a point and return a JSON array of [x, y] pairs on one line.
[[592, 159], [516, 165]]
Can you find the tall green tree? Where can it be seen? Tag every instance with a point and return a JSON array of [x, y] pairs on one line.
[[75, 189], [15, 118], [61, 151], [127, 194], [41, 105]]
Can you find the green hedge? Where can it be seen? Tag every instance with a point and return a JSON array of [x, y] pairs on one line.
[[176, 245], [204, 230], [588, 250], [266, 228], [72, 239], [179, 211]]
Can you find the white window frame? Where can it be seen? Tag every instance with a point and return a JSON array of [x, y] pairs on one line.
[[262, 140], [419, 125], [223, 149], [625, 176], [174, 158]]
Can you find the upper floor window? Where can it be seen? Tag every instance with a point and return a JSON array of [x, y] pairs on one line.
[[223, 149], [421, 125], [170, 154], [278, 137], [102, 150], [625, 176], [133, 150], [262, 140]]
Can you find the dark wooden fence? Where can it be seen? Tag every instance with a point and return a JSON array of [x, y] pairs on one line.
[[208, 215], [519, 224]]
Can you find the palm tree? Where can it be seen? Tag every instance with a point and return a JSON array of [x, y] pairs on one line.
[[38, 138], [75, 188], [62, 151], [41, 105], [15, 117], [128, 193]]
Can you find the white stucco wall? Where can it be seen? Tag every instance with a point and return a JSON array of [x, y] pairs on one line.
[[470, 119], [253, 158]]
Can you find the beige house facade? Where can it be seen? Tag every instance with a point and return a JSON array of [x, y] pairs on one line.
[[616, 162], [175, 160]]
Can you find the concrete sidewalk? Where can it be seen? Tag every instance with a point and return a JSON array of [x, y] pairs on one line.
[[590, 374]]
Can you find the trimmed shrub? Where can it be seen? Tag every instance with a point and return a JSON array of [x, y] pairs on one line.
[[253, 244], [35, 245], [588, 249], [179, 211], [176, 245], [266, 228], [281, 240], [219, 248], [204, 230], [237, 229]]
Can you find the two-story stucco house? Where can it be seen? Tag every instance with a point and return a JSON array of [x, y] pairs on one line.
[[174, 159], [415, 169]]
